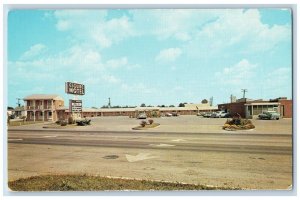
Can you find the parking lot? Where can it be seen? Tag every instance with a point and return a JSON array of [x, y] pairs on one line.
[[186, 149], [183, 123]]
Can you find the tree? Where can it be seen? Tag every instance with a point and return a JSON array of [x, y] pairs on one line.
[[171, 106], [143, 105], [181, 105], [94, 107], [204, 101]]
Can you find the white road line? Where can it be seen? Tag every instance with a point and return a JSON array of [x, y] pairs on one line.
[[162, 145], [50, 136], [178, 140], [139, 157], [15, 139]]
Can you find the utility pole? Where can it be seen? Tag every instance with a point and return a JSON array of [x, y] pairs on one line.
[[109, 105], [19, 105], [232, 98], [211, 101], [244, 91]]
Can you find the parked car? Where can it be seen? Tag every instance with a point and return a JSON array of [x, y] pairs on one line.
[[175, 114], [142, 116], [221, 114], [207, 115], [213, 115], [269, 115], [227, 115], [168, 115]]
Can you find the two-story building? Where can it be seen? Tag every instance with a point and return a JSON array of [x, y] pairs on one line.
[[43, 107]]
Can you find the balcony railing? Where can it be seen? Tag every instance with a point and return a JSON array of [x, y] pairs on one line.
[[38, 107], [47, 106], [30, 107]]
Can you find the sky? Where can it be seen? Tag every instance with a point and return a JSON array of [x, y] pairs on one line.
[[151, 56]]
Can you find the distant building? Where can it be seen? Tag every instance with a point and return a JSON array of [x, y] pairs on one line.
[[20, 111], [42, 107], [201, 107], [249, 108]]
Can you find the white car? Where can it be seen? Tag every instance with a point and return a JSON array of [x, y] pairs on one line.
[[168, 115], [220, 114], [142, 116]]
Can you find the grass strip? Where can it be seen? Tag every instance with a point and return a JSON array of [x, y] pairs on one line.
[[96, 183]]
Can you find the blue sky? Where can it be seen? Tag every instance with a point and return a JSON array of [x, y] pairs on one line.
[[150, 56]]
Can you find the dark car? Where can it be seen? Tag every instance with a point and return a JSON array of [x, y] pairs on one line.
[[207, 115], [175, 114], [227, 115], [269, 115], [213, 115]]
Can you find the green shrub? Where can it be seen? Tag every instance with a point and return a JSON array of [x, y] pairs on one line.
[[71, 120], [63, 123], [143, 123], [238, 123]]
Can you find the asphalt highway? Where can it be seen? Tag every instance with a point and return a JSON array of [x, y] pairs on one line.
[[219, 142]]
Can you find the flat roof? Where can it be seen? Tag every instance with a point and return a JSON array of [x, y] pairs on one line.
[[261, 103], [43, 97], [170, 109]]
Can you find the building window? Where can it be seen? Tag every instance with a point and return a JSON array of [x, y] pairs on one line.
[[50, 114]]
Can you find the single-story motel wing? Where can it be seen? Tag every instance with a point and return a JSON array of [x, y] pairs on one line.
[[51, 107]]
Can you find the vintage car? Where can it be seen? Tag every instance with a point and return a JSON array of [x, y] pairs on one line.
[[220, 114], [207, 115], [269, 115], [142, 116]]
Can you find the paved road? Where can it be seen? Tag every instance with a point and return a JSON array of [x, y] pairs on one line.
[[256, 161], [241, 143]]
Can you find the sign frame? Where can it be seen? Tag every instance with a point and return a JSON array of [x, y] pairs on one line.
[[75, 105], [74, 88]]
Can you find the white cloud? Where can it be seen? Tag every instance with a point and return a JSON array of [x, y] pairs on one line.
[[179, 24], [139, 88], [238, 75], [110, 79], [241, 29], [92, 26], [79, 62], [279, 78], [117, 63], [168, 55], [33, 51]]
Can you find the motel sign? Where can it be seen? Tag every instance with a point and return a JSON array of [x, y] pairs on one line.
[[74, 88], [75, 105]]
